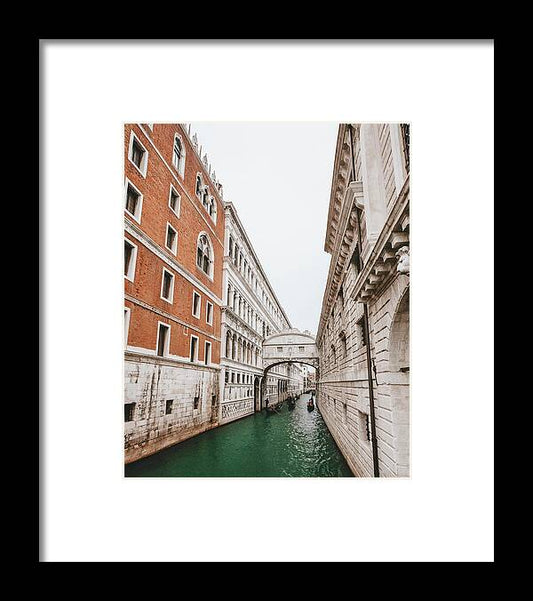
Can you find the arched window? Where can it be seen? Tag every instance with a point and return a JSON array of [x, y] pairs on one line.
[[199, 186], [342, 337], [228, 345], [178, 155], [213, 209], [204, 255], [333, 355], [399, 337]]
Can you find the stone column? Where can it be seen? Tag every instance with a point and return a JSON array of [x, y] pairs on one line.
[[397, 155], [373, 184]]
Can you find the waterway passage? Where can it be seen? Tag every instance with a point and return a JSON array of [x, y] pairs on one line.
[[293, 443]]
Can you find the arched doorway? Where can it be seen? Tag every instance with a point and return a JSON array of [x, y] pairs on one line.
[[399, 337]]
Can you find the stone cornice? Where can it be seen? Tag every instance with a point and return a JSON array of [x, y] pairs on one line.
[[137, 232], [157, 360], [232, 315], [339, 181], [379, 267], [381, 263], [227, 362], [162, 313], [346, 231]]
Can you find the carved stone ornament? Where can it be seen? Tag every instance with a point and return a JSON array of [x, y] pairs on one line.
[[195, 141], [403, 260]]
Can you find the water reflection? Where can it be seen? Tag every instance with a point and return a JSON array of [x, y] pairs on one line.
[[292, 443]]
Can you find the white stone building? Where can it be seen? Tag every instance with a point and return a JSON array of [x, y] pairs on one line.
[[363, 334], [250, 313]]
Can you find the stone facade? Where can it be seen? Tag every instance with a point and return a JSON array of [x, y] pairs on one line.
[[368, 239], [173, 253], [250, 313]]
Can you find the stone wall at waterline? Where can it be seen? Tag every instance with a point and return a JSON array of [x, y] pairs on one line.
[[171, 404]]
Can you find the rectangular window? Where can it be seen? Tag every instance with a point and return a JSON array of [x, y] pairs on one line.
[[207, 354], [209, 313], [226, 377], [138, 154], [194, 349], [364, 426], [196, 304], [172, 239], [361, 332], [196, 402], [163, 339], [168, 406], [129, 412], [126, 325], [233, 377], [167, 286], [133, 202], [174, 201], [213, 400], [130, 259]]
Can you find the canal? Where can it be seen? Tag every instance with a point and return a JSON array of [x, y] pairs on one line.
[[294, 443]]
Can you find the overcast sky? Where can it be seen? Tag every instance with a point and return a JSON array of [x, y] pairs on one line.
[[278, 176]]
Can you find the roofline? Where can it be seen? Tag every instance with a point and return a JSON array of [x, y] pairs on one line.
[[231, 207], [340, 137], [277, 334], [202, 165]]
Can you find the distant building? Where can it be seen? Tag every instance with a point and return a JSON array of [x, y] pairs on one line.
[[251, 312], [363, 334], [310, 384], [173, 254]]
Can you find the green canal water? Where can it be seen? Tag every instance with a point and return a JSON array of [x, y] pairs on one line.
[[293, 443]]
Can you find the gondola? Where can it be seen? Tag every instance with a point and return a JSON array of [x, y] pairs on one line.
[[310, 405]]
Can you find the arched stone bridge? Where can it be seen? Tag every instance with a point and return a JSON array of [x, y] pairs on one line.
[[288, 346]]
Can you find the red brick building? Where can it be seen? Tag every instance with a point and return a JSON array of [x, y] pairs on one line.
[[173, 254]]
